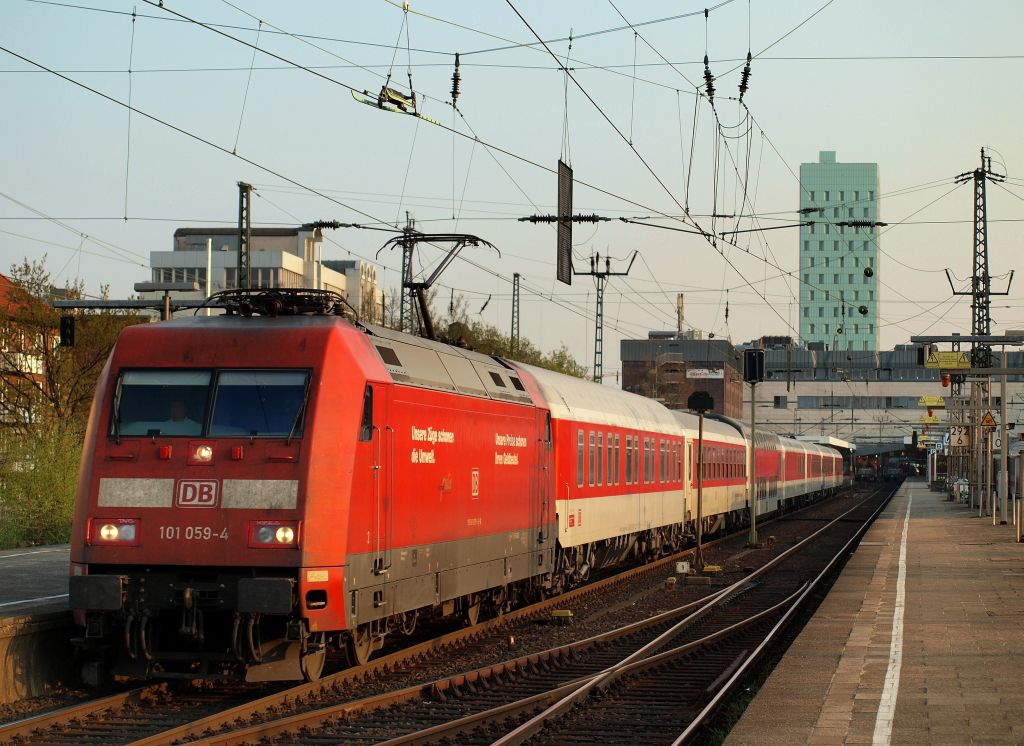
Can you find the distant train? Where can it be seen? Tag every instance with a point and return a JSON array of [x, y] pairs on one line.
[[262, 486]]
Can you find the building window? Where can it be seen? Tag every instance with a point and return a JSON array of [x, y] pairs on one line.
[[826, 196], [827, 228], [849, 278], [826, 328], [835, 212], [856, 295], [871, 196], [812, 328], [812, 227], [835, 244], [812, 295], [821, 245], [812, 196], [835, 279], [835, 312], [871, 295], [856, 261], [856, 328], [821, 311], [807, 312], [849, 212], [826, 261], [781, 402], [807, 245], [865, 212], [812, 261], [807, 278], [871, 328], [841, 262], [827, 295], [856, 196], [871, 261], [842, 196], [821, 279], [865, 345]]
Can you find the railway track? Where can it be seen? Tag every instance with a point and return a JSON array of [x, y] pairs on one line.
[[162, 714]]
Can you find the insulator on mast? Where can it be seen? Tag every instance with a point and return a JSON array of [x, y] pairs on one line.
[[456, 81], [709, 81], [745, 78]]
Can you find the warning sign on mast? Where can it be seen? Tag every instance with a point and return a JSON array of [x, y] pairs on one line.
[[988, 420]]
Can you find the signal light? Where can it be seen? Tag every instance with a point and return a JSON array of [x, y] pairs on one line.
[[945, 380], [237, 452], [165, 453]]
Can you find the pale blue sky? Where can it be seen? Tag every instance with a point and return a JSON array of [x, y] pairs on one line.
[[63, 149]]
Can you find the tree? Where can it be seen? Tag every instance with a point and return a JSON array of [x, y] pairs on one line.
[[45, 394], [41, 383]]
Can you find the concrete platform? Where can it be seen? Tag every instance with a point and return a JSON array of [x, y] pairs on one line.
[[918, 642], [33, 578], [35, 622]]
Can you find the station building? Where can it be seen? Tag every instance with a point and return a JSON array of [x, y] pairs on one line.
[[865, 397]]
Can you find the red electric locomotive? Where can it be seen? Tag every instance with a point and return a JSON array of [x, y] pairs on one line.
[[262, 486]]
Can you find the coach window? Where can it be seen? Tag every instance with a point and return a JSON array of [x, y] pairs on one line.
[[590, 464], [600, 452], [636, 459], [629, 459], [579, 459], [608, 460], [617, 443], [366, 424]]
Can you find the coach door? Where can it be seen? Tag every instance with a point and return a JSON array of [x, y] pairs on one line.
[[541, 483], [383, 447]]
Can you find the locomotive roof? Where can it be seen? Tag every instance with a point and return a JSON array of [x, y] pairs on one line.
[[417, 361]]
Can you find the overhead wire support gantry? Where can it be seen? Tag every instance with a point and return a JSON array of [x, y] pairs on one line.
[[600, 279]]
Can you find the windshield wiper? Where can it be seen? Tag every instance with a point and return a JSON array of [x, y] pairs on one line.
[[299, 412]]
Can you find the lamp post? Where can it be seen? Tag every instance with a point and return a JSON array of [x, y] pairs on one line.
[[700, 402]]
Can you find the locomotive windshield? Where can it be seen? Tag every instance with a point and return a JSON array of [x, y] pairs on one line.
[[258, 402], [194, 403]]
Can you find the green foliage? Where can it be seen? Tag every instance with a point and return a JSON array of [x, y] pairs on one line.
[[37, 487], [45, 395]]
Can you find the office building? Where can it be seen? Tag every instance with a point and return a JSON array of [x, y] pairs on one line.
[[839, 256]]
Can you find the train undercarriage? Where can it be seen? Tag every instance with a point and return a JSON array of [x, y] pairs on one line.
[[185, 623]]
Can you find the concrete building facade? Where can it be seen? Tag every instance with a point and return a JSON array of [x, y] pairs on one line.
[[279, 258], [839, 267]]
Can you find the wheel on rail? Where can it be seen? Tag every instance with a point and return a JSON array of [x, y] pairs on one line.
[[312, 661], [359, 645]]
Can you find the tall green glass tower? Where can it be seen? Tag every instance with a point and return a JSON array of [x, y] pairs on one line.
[[839, 253]]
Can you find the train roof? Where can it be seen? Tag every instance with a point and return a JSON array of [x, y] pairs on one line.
[[417, 361], [571, 398]]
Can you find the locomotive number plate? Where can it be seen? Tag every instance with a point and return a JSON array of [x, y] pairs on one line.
[[192, 533]]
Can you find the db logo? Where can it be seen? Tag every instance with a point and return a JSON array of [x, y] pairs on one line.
[[199, 493]]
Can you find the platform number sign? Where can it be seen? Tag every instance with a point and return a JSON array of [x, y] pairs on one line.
[[475, 482], [959, 436]]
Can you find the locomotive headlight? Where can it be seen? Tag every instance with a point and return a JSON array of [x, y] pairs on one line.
[[123, 531], [274, 534], [204, 453]]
